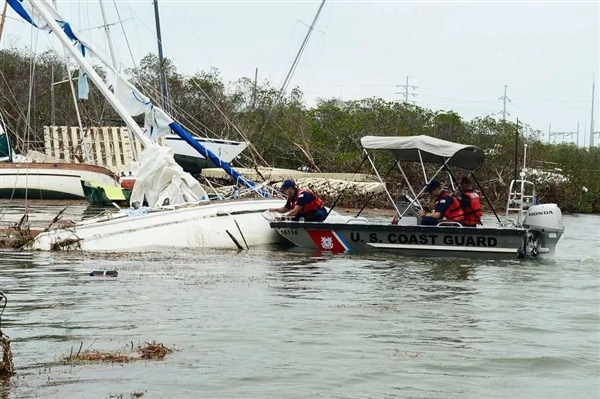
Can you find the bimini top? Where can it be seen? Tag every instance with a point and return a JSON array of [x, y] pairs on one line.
[[436, 151]]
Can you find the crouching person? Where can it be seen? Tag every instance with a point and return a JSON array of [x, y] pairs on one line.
[[301, 203]]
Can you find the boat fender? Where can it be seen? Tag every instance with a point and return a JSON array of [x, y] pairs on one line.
[[105, 273]]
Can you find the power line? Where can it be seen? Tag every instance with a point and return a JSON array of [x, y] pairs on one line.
[[407, 92]]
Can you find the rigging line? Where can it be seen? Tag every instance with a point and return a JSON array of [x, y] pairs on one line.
[[212, 102], [124, 34], [180, 109], [318, 57], [291, 71]]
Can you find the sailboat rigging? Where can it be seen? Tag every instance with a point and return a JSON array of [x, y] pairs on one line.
[[180, 214]]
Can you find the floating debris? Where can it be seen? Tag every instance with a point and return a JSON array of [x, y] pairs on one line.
[[154, 350], [7, 367], [105, 273], [149, 351], [95, 356]]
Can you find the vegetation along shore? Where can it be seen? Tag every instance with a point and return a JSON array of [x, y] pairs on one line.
[[285, 133]]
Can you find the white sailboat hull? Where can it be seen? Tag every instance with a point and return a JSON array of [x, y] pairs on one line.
[[49, 181], [203, 225]]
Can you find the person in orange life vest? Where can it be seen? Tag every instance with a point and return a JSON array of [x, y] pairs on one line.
[[470, 203], [446, 206], [301, 204]]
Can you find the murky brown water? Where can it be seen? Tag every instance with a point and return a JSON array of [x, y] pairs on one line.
[[275, 323]]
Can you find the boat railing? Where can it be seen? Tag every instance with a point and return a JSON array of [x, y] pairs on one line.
[[521, 196], [449, 224]]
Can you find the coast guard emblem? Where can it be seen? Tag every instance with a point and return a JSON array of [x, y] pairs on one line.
[[326, 243]]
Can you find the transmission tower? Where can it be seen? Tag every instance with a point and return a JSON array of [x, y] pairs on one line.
[[407, 92], [504, 98]]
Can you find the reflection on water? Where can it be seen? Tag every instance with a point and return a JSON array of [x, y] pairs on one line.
[[276, 322], [40, 213]]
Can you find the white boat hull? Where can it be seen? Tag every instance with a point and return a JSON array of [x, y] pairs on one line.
[[204, 225], [40, 181]]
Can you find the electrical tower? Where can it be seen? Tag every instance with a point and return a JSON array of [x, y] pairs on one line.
[[504, 98], [407, 92], [570, 134]]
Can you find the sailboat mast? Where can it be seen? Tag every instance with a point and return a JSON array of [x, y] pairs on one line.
[[108, 94], [161, 62], [3, 18], [106, 28]]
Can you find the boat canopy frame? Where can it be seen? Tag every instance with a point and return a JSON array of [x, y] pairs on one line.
[[425, 149]]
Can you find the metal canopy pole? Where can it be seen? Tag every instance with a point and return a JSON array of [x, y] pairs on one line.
[[382, 182], [410, 186], [345, 188], [486, 197], [373, 194], [423, 189]]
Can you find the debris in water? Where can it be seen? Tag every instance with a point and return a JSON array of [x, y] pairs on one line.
[[95, 356], [154, 350], [7, 367], [105, 273], [150, 351]]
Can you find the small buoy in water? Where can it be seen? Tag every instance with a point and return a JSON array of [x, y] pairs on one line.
[[105, 273]]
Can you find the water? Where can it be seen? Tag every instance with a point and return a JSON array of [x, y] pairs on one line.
[[274, 324]]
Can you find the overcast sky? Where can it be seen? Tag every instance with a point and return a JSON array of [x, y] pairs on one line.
[[459, 54]]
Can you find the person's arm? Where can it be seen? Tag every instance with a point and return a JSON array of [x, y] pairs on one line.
[[283, 209], [434, 214], [443, 206], [297, 209], [439, 210]]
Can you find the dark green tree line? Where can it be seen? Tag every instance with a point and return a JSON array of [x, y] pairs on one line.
[[289, 134]]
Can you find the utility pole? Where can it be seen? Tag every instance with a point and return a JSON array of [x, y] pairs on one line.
[[52, 106], [407, 92], [255, 88], [504, 98], [592, 118]]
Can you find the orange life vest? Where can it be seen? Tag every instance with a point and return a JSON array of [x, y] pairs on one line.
[[473, 212], [454, 212], [310, 208]]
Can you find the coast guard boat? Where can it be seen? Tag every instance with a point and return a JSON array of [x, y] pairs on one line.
[[534, 230]]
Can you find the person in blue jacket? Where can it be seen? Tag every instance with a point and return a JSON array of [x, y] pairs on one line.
[[446, 206], [301, 203]]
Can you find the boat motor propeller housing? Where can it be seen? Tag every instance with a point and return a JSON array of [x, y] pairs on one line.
[[545, 226]]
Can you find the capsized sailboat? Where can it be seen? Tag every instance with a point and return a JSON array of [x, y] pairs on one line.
[[179, 213], [535, 232]]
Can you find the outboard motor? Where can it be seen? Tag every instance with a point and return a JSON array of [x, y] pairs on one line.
[[545, 227]]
